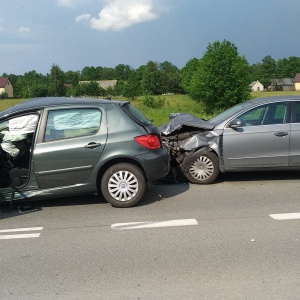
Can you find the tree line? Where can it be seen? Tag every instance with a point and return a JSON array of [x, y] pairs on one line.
[[152, 78], [219, 79]]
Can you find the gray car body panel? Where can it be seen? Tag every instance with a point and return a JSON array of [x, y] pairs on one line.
[[71, 166]]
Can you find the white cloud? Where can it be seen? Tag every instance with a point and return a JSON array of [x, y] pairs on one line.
[[83, 18], [120, 14], [23, 29]]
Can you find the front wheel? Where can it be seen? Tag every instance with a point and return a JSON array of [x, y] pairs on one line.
[[123, 185], [203, 168]]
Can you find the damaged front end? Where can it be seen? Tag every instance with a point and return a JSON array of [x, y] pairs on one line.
[[187, 138]]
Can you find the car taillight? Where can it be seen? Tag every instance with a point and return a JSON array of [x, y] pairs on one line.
[[150, 141]]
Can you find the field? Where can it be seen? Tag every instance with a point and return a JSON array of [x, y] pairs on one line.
[[173, 103], [183, 103]]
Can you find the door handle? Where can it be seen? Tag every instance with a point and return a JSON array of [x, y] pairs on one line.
[[92, 145], [280, 134]]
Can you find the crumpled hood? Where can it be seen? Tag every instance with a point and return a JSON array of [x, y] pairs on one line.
[[181, 120]]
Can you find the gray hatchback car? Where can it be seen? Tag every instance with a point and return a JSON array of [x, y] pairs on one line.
[[55, 147], [261, 134]]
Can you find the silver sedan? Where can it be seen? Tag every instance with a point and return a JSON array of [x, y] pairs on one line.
[[260, 134]]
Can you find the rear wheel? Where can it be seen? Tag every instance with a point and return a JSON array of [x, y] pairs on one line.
[[123, 185], [203, 169]]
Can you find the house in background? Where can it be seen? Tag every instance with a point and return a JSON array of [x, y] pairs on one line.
[[256, 86], [104, 84], [282, 84], [6, 87], [297, 82]]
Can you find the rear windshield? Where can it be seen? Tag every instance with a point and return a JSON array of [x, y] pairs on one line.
[[136, 115]]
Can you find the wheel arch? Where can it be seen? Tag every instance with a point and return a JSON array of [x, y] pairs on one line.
[[184, 166], [114, 161]]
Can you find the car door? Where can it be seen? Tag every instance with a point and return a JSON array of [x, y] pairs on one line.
[[69, 145], [261, 141]]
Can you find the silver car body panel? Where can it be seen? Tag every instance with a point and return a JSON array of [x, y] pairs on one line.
[[240, 148], [256, 146]]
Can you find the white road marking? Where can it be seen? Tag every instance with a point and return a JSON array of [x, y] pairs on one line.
[[140, 225], [21, 229], [289, 216], [20, 236]]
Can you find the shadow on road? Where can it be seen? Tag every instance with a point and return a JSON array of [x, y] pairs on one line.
[[258, 176], [163, 190], [27, 207], [159, 190]]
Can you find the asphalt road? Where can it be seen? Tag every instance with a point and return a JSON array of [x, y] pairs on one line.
[[182, 242]]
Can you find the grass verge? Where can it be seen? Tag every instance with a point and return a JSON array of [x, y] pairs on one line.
[[173, 104]]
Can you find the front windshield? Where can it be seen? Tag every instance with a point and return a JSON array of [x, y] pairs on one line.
[[227, 113]]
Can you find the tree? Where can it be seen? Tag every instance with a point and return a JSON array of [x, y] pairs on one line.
[[89, 73], [268, 70], [264, 71], [30, 85], [222, 77], [132, 87], [72, 77], [56, 82], [38, 90], [288, 68], [169, 77], [187, 73], [151, 84], [122, 72]]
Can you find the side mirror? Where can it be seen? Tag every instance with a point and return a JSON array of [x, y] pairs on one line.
[[235, 123]]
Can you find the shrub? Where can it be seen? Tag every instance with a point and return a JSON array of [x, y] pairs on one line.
[[151, 102], [4, 96]]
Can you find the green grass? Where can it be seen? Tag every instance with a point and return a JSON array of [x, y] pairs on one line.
[[184, 103], [173, 104], [6, 103], [271, 94]]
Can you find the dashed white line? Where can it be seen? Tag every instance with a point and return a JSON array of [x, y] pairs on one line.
[[21, 229], [147, 224], [20, 236], [288, 216]]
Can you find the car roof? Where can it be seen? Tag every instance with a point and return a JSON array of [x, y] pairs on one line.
[[274, 99], [40, 103]]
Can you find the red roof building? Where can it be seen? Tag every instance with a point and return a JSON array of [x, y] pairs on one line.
[[6, 87]]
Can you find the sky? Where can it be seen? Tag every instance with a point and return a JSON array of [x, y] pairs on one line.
[[73, 34]]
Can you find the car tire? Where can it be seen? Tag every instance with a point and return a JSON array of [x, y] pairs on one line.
[[203, 168], [123, 185]]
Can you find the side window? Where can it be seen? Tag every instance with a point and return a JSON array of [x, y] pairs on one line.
[[297, 112], [274, 113], [72, 123], [253, 116]]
